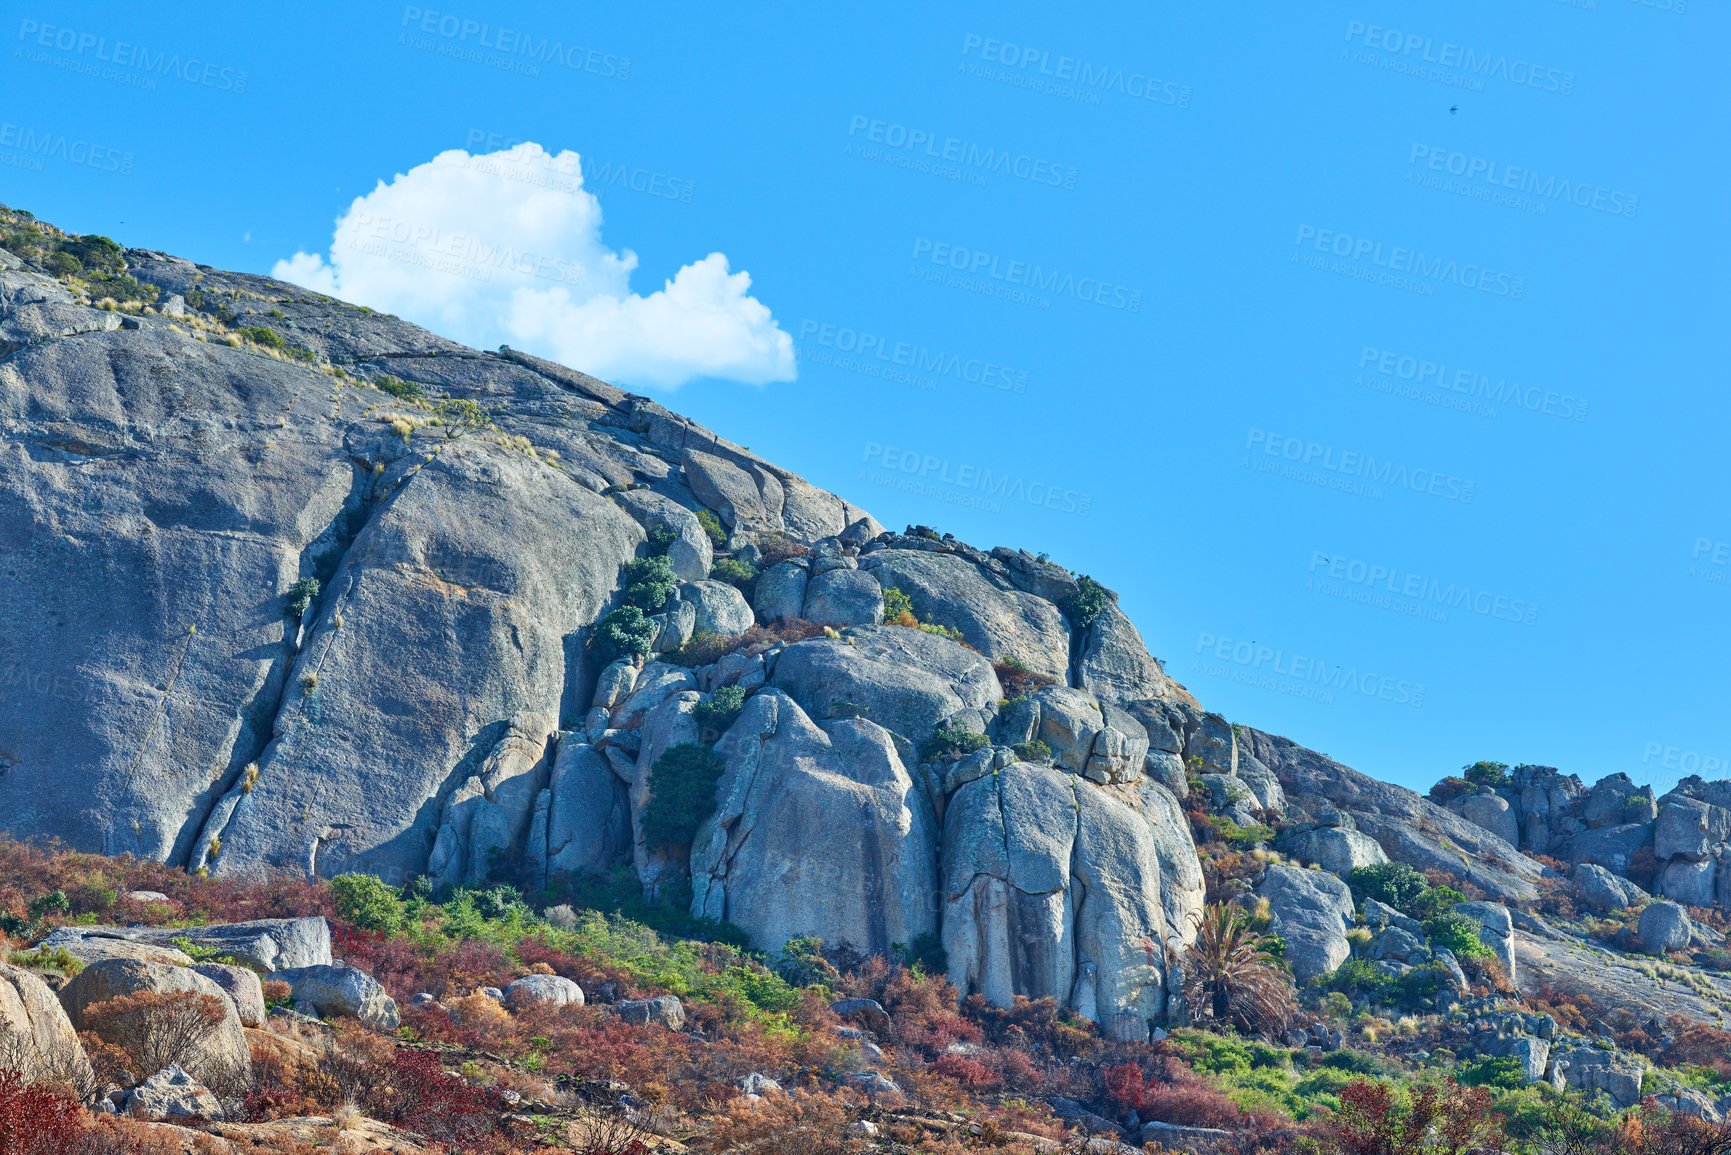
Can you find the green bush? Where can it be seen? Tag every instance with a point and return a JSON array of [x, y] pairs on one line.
[[367, 902], [1459, 934], [1394, 883], [1035, 751], [648, 582], [64, 264], [1502, 1074], [1356, 976], [735, 573], [712, 526], [681, 794], [259, 335], [660, 540], [1491, 774], [1238, 836], [848, 710], [624, 631], [301, 595], [951, 741], [1437, 901], [896, 603], [926, 953], [1085, 603], [719, 711], [96, 253]]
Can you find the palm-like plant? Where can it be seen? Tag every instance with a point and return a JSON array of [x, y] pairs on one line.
[[1231, 976]]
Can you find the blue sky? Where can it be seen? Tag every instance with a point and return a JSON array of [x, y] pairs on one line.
[[1368, 349]]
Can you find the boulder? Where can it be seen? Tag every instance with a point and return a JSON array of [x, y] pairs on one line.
[[1614, 800], [1380, 914], [1587, 1068], [691, 552], [1601, 891], [867, 884], [663, 1010], [1496, 930], [36, 1037], [335, 991], [242, 986], [221, 1057], [1052, 888], [552, 989], [589, 812], [1611, 847], [842, 598], [1664, 927], [1400, 946], [1533, 1054], [90, 944], [999, 622], [868, 1011], [908, 681], [1312, 910], [1493, 813], [1692, 882], [721, 609], [1176, 1137], [780, 592], [169, 1094], [1336, 849], [757, 1083], [1689, 828]]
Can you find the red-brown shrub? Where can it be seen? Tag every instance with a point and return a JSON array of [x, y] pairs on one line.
[[35, 1120], [970, 1073]]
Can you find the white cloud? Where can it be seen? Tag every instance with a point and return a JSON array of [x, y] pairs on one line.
[[505, 248]]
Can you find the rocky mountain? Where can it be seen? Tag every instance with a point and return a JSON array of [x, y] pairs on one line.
[[289, 585]]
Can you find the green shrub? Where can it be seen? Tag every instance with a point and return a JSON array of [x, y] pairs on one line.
[[1356, 976], [64, 264], [648, 582], [1491, 774], [926, 953], [1035, 751], [301, 595], [96, 253], [681, 794], [712, 526], [896, 603], [848, 710], [1238, 836], [719, 711], [1436, 901], [1085, 603], [1393, 883], [1503, 1074], [1459, 934], [660, 540], [54, 902], [624, 631], [259, 335], [405, 390], [735, 573], [367, 902], [58, 959], [950, 741]]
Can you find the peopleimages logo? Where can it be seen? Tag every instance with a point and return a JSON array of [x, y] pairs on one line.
[[459, 32], [1498, 177], [977, 263], [1476, 65], [927, 146], [57, 146], [93, 50], [1068, 76], [1399, 260], [1377, 579], [1472, 384], [911, 357], [1298, 674], [1354, 468], [923, 472]]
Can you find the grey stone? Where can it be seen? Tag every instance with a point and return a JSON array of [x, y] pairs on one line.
[[675, 625], [1000, 623], [691, 552], [1689, 828], [270, 943], [554, 989], [243, 988], [727, 489], [780, 592], [1336, 849], [1611, 847], [1380, 914], [868, 1011], [1176, 1137], [758, 1083], [1664, 927], [589, 819], [873, 1084], [1496, 930], [720, 608], [756, 864], [1168, 771], [1690, 882], [1601, 891], [1399, 945], [663, 1010], [1494, 814], [1614, 800], [171, 1094], [343, 991], [36, 1036], [844, 598], [1587, 1068], [1312, 910], [1115, 664], [221, 1057]]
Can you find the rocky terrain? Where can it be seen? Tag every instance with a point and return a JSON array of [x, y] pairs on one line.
[[290, 589]]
